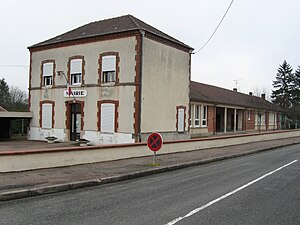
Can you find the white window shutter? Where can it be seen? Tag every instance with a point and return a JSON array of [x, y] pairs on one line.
[[76, 66], [47, 115], [180, 120], [48, 69], [108, 117], [109, 63]]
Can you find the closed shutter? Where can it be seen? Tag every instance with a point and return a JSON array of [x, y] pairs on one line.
[[47, 115], [180, 120], [109, 63], [76, 66], [48, 69], [108, 117]]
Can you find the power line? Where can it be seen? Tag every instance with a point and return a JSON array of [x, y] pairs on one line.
[[215, 28], [14, 66]]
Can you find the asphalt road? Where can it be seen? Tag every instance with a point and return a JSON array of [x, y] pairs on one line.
[[259, 189]]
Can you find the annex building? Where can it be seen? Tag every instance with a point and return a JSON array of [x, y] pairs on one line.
[[118, 80]]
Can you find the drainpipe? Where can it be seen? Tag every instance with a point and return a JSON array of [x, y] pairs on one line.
[[140, 85]]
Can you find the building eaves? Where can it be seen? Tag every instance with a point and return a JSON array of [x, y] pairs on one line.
[[220, 96], [111, 26]]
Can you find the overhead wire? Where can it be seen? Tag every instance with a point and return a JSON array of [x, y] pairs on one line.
[[211, 36], [14, 66]]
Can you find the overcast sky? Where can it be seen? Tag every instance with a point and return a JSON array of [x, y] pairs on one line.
[[254, 38]]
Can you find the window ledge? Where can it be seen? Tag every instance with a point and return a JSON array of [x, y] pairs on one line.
[[108, 84]]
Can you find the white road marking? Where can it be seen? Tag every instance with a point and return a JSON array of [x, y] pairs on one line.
[[227, 195]]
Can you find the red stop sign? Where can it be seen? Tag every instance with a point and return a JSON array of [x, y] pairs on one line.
[[154, 142]]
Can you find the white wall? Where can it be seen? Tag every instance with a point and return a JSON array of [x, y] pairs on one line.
[[165, 85], [91, 51], [22, 160]]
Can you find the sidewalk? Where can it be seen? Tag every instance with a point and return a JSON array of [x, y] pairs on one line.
[[37, 182]]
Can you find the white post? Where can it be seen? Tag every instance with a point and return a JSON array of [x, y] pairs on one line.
[[234, 121], [225, 120]]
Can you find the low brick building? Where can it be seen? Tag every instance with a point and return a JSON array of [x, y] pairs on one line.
[[218, 110]]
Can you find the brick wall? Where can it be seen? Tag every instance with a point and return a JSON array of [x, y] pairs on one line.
[[267, 120], [250, 123], [211, 121]]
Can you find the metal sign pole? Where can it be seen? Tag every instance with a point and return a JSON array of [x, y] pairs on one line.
[[154, 158]]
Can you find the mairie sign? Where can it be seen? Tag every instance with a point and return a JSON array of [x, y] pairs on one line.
[[75, 93]]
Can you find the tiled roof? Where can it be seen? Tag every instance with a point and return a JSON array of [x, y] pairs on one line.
[[108, 27], [211, 94]]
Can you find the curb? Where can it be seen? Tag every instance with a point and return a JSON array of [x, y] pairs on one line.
[[31, 192]]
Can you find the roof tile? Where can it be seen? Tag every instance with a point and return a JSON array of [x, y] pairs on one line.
[[106, 27], [216, 95]]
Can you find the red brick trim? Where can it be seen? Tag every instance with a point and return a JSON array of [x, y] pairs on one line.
[[177, 109], [116, 103], [137, 93], [68, 112], [30, 80], [41, 112], [117, 66], [53, 74], [69, 68]]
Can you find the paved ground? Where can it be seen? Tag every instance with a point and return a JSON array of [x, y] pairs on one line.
[[20, 143], [29, 183], [254, 191]]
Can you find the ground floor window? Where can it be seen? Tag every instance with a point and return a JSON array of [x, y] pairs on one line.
[[260, 118], [180, 118], [46, 114], [108, 113], [249, 114], [198, 115], [204, 116]]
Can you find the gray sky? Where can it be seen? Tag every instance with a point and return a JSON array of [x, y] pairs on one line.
[[255, 37]]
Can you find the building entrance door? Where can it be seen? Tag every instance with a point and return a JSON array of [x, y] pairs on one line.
[[75, 120]]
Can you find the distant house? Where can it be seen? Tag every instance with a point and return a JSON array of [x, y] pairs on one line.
[[218, 110], [111, 81]]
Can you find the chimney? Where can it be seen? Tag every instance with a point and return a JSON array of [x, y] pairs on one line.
[[235, 89], [251, 93], [263, 96]]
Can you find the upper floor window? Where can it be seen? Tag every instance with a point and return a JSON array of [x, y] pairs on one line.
[[76, 71], [108, 69], [48, 69]]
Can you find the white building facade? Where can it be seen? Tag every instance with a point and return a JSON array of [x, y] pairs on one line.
[[109, 82]]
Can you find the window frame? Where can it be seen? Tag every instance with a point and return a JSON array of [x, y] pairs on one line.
[[178, 108], [204, 116], [108, 77], [116, 114], [74, 75], [48, 76], [48, 102], [197, 117]]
